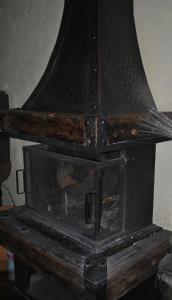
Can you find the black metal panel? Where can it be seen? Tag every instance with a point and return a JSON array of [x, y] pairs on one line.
[[123, 84], [70, 81], [139, 186], [96, 65]]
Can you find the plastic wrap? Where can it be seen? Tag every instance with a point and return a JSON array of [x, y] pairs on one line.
[[156, 123]]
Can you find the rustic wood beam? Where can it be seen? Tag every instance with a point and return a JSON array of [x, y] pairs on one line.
[[43, 124], [88, 132], [128, 268], [42, 253], [85, 272]]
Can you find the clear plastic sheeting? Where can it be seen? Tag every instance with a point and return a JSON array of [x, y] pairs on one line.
[[157, 123]]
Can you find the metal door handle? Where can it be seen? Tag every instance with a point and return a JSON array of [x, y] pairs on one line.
[[17, 182], [89, 208]]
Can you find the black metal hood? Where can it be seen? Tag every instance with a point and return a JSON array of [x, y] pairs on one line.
[[96, 67], [94, 89]]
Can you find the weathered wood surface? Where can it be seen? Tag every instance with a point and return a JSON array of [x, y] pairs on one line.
[[67, 265], [55, 128], [130, 267], [42, 253], [44, 124]]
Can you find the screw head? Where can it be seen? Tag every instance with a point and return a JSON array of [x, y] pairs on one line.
[[88, 141], [88, 263], [134, 131], [94, 107], [102, 263], [87, 122]]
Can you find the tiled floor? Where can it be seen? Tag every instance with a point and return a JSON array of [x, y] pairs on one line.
[[145, 291]]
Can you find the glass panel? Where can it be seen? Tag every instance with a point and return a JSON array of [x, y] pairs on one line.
[[63, 189], [111, 201]]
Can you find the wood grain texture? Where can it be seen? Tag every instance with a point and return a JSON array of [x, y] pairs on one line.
[[130, 267], [3, 259], [85, 131], [43, 124], [42, 253], [66, 264]]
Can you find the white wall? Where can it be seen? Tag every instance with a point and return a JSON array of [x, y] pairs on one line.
[[153, 24], [163, 186], [28, 30]]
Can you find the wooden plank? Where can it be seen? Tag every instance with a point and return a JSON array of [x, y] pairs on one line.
[[130, 267], [53, 127], [44, 124], [42, 253], [125, 269], [3, 259]]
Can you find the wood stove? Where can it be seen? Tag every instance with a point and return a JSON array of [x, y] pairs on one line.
[[89, 184], [100, 199]]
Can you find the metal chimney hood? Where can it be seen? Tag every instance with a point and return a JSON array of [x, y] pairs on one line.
[[94, 89]]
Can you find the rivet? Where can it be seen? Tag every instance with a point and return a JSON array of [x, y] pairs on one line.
[[49, 208], [102, 263], [87, 122], [88, 141], [134, 131], [94, 107], [88, 263]]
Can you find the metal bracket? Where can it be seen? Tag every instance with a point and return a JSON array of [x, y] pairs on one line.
[[95, 274], [102, 131], [90, 131]]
